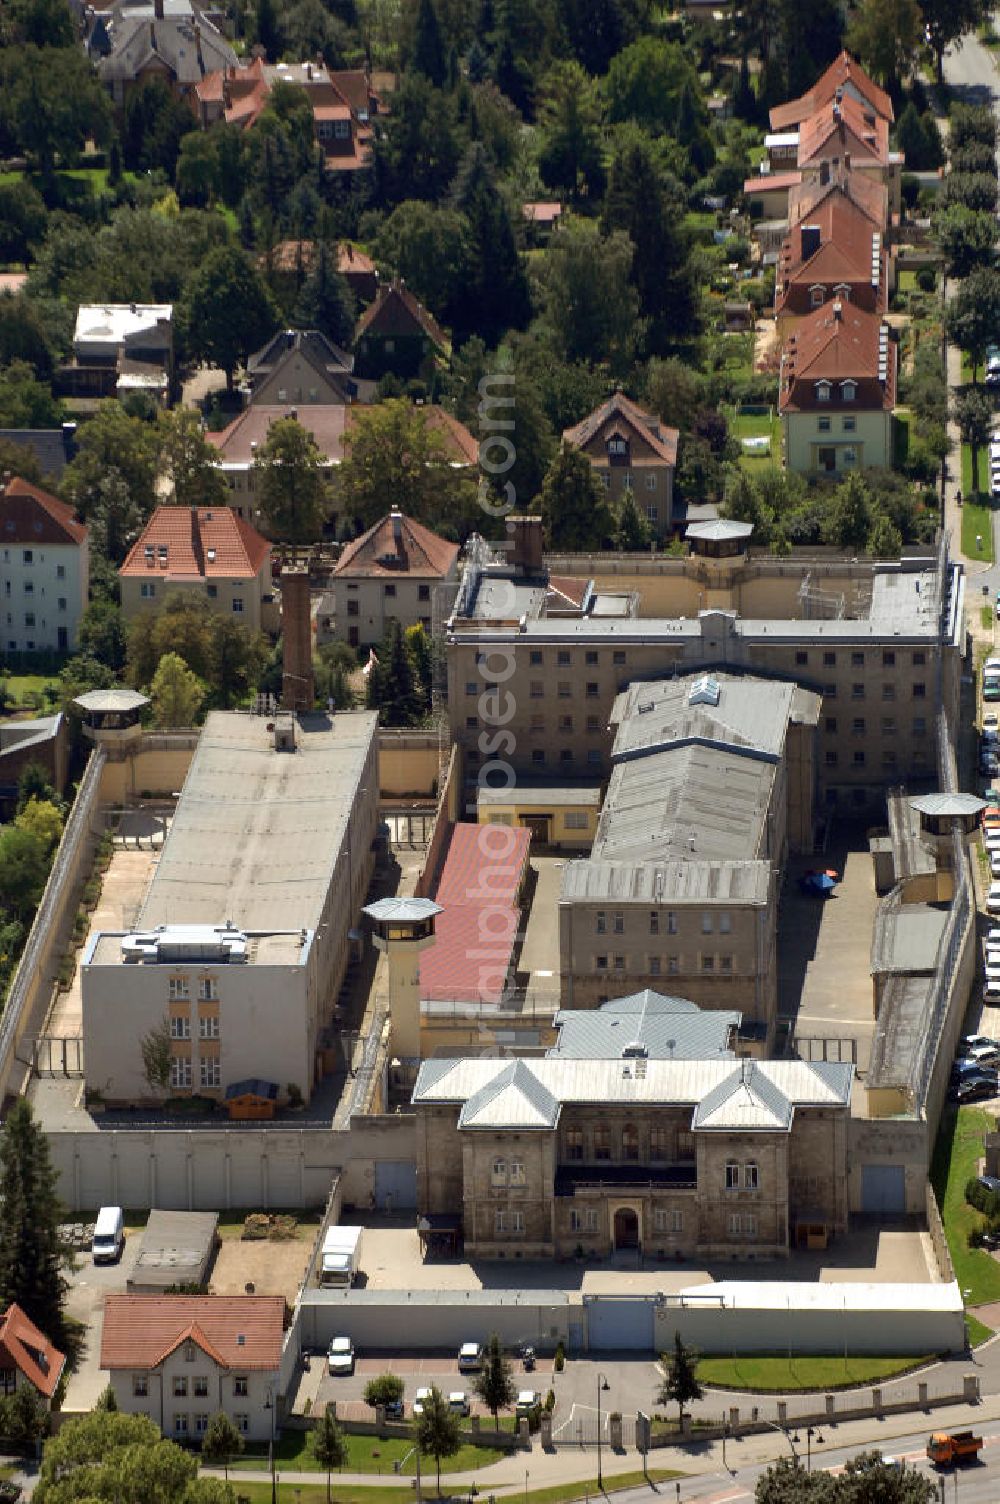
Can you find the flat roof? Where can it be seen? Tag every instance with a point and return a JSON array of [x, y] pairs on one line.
[[256, 831], [539, 793], [820, 1295], [908, 938], [176, 1248]]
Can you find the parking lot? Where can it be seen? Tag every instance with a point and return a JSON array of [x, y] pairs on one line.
[[88, 1285]]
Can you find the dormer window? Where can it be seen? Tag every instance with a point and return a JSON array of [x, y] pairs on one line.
[[822, 391], [617, 446], [843, 292], [817, 296], [848, 390]]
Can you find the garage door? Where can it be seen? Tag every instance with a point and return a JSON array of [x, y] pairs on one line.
[[395, 1185], [883, 1190], [616, 1325]]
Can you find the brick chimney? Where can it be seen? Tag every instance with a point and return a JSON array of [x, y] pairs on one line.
[[298, 691], [526, 538]]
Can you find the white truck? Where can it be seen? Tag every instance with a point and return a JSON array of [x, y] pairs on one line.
[[340, 1258]]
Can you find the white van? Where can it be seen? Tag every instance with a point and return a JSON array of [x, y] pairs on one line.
[[109, 1235]]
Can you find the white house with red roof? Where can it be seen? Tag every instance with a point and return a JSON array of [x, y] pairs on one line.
[[27, 1357], [209, 551], [44, 569], [838, 390], [180, 1359], [398, 568]]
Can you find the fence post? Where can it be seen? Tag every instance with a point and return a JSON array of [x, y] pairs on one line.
[[831, 1405], [970, 1388], [922, 1394]]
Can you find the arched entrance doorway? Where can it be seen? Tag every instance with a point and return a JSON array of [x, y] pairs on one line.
[[626, 1228]]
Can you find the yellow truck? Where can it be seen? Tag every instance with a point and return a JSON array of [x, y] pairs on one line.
[[948, 1447]]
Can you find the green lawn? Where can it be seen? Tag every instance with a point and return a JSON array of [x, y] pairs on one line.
[[956, 1155], [365, 1454], [750, 426], [977, 1331], [977, 521], [562, 1493], [777, 1374], [986, 618]]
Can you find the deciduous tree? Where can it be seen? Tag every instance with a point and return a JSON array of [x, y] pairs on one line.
[[177, 694], [967, 237], [947, 21], [589, 305], [570, 154], [436, 1430], [394, 454], [222, 1441], [290, 483], [885, 34], [189, 461], [329, 1446], [226, 311]]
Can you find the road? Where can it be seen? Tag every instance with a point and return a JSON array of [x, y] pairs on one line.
[[971, 72]]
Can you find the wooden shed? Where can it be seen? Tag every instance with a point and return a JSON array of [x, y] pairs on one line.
[[251, 1099]]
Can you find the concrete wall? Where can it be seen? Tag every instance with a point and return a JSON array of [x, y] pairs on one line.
[[889, 1141], [448, 813], [159, 766], [375, 1319], [409, 763], [390, 1137], [712, 1330]]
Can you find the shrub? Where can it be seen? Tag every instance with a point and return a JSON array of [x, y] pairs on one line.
[[925, 279], [550, 1401], [559, 1361], [987, 1202]]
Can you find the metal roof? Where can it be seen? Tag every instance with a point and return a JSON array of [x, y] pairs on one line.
[[111, 700], [538, 793], [648, 882], [257, 831], [746, 1099], [948, 804], [666, 1028], [721, 530], [526, 1089], [401, 910]]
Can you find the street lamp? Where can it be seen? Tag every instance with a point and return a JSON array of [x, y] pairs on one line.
[[269, 1405], [602, 1386], [810, 1433]]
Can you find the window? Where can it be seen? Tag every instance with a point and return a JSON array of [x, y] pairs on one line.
[[575, 819], [140, 1385], [538, 756], [562, 658], [848, 389], [574, 1143], [919, 726], [735, 1224], [590, 658], [389, 590], [654, 966], [750, 1176], [801, 658], [208, 990], [619, 922], [888, 725], [499, 1221], [535, 658], [423, 592], [888, 660], [499, 1172], [199, 1386], [189, 1352], [849, 424], [822, 391], [659, 1143], [602, 1141], [180, 1425], [606, 478], [565, 689], [857, 691], [180, 1387], [29, 587], [652, 512], [671, 922], [213, 591], [565, 723], [888, 758], [27, 557], [673, 965], [831, 759], [211, 1073], [601, 922], [859, 759], [732, 1176], [536, 690], [178, 988], [29, 618], [60, 571], [180, 1073], [471, 687], [537, 724], [618, 658], [238, 605], [593, 723], [708, 963], [584, 1220], [471, 722], [342, 129], [353, 609], [749, 1225], [180, 1027], [857, 660], [858, 726], [823, 424], [816, 296], [241, 1386], [919, 691], [593, 757], [829, 659], [242, 1423], [685, 1146], [706, 922], [630, 1142], [830, 691], [654, 921], [650, 480], [888, 691], [725, 922], [201, 1422], [591, 690], [517, 1172]]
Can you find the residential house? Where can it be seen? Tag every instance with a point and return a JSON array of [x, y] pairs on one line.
[[169, 39], [547, 1158], [396, 333], [399, 570], [868, 195], [838, 390], [44, 569], [343, 102], [846, 134], [301, 366], [121, 348], [836, 254], [629, 447], [238, 445], [210, 553], [27, 1357], [290, 262], [180, 1359], [844, 77], [53, 448], [540, 220]]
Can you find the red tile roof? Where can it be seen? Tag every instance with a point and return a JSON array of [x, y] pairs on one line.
[[850, 246], [844, 72], [618, 410], [396, 311], [771, 182], [30, 515], [859, 188], [327, 423], [477, 930], [201, 543], [843, 129], [237, 1331], [416, 551], [288, 254], [542, 214], [838, 342], [24, 1347]]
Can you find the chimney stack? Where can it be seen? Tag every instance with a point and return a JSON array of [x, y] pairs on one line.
[[526, 537], [838, 310], [298, 690]]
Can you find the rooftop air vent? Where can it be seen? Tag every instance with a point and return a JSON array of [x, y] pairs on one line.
[[705, 691]]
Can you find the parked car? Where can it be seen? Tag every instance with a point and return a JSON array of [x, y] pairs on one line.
[[993, 899], [991, 837], [970, 1041], [994, 856], [470, 1357], [419, 1399], [340, 1358], [972, 1091], [458, 1401], [991, 990], [989, 1183], [527, 1399], [985, 1054], [991, 721], [394, 1409], [963, 1067]]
